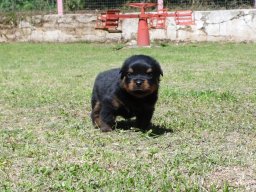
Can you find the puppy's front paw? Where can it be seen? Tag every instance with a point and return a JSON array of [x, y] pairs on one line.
[[143, 125], [105, 128]]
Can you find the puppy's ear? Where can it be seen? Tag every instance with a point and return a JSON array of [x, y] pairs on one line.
[[158, 68], [161, 71], [124, 68], [122, 73]]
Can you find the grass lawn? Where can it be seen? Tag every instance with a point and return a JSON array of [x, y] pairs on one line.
[[205, 120]]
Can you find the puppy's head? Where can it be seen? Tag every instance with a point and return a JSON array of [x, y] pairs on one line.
[[140, 75]]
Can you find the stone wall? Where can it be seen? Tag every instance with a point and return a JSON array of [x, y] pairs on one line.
[[224, 25]]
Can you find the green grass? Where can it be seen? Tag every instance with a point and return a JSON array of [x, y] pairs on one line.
[[206, 119]]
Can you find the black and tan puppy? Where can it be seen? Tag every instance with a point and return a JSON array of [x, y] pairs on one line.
[[131, 91]]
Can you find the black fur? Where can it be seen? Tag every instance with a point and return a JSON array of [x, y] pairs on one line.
[[130, 91]]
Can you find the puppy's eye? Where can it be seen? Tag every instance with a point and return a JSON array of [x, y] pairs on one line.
[[150, 74], [129, 74]]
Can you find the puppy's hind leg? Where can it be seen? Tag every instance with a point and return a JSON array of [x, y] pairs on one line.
[[95, 114]]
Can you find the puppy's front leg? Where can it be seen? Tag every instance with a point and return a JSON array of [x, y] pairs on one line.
[[107, 118], [143, 119]]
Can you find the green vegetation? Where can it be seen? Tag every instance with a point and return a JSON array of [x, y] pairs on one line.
[[40, 5], [205, 120], [27, 5]]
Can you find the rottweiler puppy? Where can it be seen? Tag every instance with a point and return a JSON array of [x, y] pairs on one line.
[[129, 91]]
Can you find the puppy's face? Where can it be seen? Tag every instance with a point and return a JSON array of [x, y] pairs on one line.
[[140, 75]]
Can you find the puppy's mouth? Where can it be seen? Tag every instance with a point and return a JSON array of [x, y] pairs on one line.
[[138, 88], [138, 92]]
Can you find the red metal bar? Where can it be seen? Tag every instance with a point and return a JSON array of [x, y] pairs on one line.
[[128, 16], [184, 17], [142, 5]]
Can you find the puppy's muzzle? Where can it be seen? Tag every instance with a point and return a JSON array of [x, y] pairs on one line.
[[138, 82]]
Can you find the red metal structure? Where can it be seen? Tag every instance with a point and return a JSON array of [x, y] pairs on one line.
[[109, 21]]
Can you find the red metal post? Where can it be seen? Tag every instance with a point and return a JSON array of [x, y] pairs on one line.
[[60, 7], [143, 33], [160, 5]]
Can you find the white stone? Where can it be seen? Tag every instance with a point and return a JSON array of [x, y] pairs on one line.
[[24, 24]]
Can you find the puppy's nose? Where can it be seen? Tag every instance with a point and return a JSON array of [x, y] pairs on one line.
[[139, 82]]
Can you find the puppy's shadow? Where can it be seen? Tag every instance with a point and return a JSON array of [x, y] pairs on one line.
[[154, 131]]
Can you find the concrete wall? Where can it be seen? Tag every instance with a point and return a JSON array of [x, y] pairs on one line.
[[224, 25]]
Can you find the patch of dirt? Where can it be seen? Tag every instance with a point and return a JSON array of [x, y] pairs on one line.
[[237, 177]]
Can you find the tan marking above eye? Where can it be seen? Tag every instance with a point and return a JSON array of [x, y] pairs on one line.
[[130, 70], [149, 70]]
